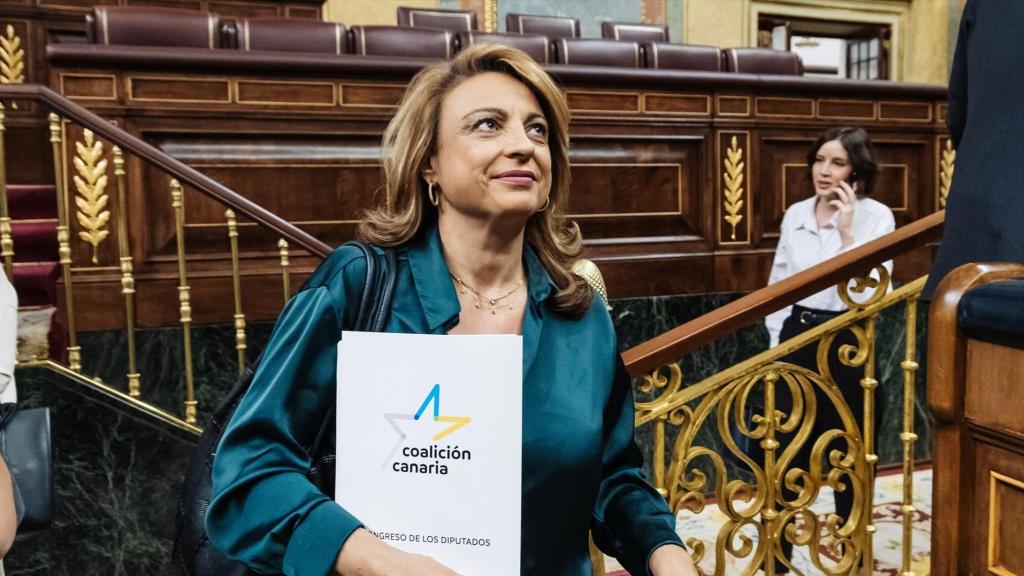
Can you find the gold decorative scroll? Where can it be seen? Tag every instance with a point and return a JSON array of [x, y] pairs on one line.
[[92, 198], [766, 500], [12, 58], [668, 386], [946, 165], [755, 502], [732, 181]]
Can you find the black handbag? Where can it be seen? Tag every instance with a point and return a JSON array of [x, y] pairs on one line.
[[25, 445], [193, 553]]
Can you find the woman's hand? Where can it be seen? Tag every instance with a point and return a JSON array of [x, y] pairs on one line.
[[365, 555], [672, 560], [844, 203]]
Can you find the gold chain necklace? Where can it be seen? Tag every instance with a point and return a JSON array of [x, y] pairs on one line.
[[478, 297]]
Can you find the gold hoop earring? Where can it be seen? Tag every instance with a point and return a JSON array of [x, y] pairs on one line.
[[432, 194], [547, 202]]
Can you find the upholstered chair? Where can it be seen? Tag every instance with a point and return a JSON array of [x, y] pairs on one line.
[[635, 31], [763, 61], [454, 20], [401, 41], [550, 26], [152, 26]]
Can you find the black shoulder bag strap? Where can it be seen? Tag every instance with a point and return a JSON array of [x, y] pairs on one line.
[[193, 554], [373, 315]]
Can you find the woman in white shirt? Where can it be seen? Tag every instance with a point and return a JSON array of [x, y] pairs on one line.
[[837, 218]]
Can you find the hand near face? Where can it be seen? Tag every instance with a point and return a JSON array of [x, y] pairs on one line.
[[672, 560], [845, 202]]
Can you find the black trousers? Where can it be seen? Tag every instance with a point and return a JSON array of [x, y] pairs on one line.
[[827, 417]]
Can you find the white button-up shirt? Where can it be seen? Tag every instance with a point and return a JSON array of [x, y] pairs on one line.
[[803, 244], [8, 339]]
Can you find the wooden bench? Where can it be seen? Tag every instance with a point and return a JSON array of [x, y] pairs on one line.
[[976, 396]]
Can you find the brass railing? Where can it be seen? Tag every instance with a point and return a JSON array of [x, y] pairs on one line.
[[87, 210], [712, 420]]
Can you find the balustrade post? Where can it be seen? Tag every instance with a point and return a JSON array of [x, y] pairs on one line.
[[127, 280], [658, 465], [236, 282], [185, 306], [282, 245], [769, 444], [63, 240], [869, 384], [909, 437]]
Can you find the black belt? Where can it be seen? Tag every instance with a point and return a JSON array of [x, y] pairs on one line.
[[812, 317]]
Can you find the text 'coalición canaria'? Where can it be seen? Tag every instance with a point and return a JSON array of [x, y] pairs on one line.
[[433, 456]]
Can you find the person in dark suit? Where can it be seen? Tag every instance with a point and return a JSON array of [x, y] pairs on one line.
[[985, 207]]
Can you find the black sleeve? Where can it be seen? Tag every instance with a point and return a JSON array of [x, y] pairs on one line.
[[956, 118]]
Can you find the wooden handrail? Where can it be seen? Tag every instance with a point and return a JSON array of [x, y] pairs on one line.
[[175, 168], [670, 346]]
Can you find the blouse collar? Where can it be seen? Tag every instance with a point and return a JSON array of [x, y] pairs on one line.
[[433, 282], [808, 219]]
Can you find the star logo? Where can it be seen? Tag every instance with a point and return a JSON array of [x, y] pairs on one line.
[[433, 398]]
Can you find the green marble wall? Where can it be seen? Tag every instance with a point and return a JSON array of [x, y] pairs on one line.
[[118, 474]]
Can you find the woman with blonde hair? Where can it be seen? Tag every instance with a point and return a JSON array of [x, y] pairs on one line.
[[476, 180]]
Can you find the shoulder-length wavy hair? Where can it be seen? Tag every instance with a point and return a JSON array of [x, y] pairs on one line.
[[411, 139]]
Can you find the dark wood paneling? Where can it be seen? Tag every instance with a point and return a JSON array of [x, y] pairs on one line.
[[997, 543], [648, 172], [782, 176], [245, 9], [772, 107], [733, 105], [89, 86], [302, 12], [637, 189], [371, 95], [30, 162], [603, 101], [282, 93], [742, 271], [75, 4], [673, 104], [905, 111], [833, 109], [179, 90]]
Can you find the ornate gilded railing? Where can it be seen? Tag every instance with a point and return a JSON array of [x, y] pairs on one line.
[[85, 204], [702, 432]]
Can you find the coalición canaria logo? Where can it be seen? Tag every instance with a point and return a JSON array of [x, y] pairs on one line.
[[432, 458]]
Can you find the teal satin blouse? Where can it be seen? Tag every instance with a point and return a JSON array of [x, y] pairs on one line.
[[581, 468]]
